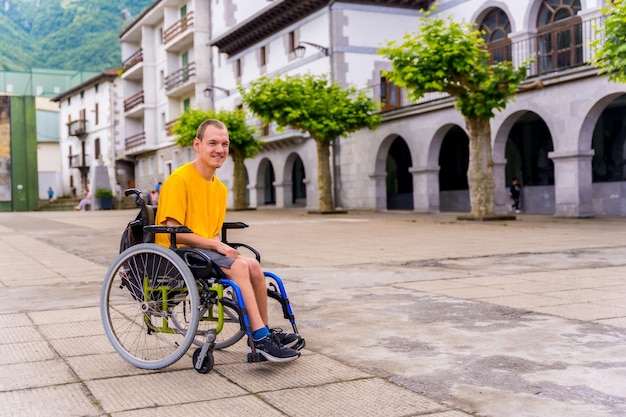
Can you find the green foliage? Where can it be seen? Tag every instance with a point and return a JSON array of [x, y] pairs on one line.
[[610, 48], [311, 104], [103, 192], [63, 34], [241, 135], [451, 57]]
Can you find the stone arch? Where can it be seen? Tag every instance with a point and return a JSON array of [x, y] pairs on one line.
[[266, 187], [380, 173], [294, 181]]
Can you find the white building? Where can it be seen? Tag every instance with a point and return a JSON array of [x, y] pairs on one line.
[[90, 114], [565, 141], [166, 66]]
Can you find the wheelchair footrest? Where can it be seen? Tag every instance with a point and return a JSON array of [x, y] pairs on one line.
[[256, 357]]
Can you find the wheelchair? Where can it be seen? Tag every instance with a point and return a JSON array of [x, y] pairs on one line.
[[156, 302]]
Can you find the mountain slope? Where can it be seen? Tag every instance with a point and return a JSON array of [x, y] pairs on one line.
[[63, 34]]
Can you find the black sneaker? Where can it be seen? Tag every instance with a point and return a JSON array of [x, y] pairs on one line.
[[290, 340], [271, 349]]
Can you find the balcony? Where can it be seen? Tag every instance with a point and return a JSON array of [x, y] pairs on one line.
[[179, 36], [561, 49], [135, 143], [77, 128], [76, 161], [131, 68], [169, 125], [181, 82], [133, 104]]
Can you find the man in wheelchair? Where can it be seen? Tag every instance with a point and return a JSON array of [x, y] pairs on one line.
[[193, 196]]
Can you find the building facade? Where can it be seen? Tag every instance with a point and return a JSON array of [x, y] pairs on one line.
[[90, 114], [563, 135]]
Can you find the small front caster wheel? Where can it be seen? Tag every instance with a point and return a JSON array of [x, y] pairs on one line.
[[207, 362]]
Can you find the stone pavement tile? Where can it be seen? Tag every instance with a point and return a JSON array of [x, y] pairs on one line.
[[50, 280], [585, 295], [607, 272], [451, 413], [36, 374], [584, 311], [14, 320], [616, 322], [308, 370], [474, 292], [26, 352], [524, 301], [588, 282], [68, 400], [12, 335], [440, 284], [491, 280], [371, 397], [536, 287], [78, 346], [76, 329], [109, 365], [159, 389], [247, 405], [66, 316]]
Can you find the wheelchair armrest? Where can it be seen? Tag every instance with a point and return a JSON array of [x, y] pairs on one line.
[[172, 230], [167, 229], [231, 225], [256, 253]]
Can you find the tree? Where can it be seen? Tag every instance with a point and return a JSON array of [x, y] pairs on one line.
[[610, 53], [315, 105], [451, 57], [243, 144]]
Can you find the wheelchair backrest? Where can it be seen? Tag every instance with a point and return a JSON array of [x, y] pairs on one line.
[[134, 232]]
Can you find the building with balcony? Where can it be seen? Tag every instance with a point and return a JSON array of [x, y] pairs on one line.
[[89, 115], [562, 136], [166, 66]]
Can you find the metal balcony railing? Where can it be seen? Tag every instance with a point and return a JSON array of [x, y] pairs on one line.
[[169, 125], [134, 101], [135, 140], [76, 161], [179, 27], [133, 60], [77, 128], [565, 46], [180, 76]]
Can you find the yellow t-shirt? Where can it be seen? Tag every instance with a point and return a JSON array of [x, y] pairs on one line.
[[189, 198]]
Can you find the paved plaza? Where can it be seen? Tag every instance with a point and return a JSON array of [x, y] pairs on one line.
[[404, 314]]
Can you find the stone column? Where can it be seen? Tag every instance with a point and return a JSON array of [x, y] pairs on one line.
[[572, 183], [380, 190], [425, 189], [502, 201]]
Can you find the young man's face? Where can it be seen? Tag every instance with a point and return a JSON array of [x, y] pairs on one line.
[[213, 149]]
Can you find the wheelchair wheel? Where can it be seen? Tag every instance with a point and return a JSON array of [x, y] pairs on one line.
[[146, 294]]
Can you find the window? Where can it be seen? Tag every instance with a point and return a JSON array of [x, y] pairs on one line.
[[161, 35], [186, 104], [560, 40], [96, 149], [96, 114], [292, 41], [238, 69], [263, 56], [495, 29], [389, 94], [162, 78]]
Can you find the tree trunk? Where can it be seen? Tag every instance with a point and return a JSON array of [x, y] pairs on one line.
[[239, 180], [324, 180], [480, 170]]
